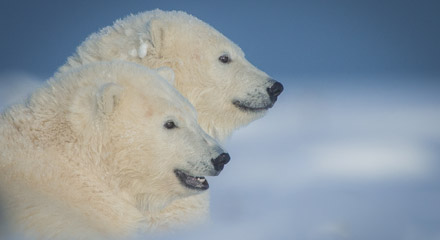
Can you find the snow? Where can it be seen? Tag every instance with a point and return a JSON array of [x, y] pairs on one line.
[[142, 52], [332, 161], [16, 86]]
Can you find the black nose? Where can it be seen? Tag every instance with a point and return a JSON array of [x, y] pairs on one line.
[[275, 90], [220, 161]]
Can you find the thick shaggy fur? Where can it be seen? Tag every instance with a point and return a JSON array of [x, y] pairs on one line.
[[192, 49], [88, 156]]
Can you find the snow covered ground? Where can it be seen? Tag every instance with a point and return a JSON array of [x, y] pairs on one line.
[[16, 86], [334, 159]]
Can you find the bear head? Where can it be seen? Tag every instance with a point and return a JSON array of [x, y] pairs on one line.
[[143, 132], [210, 70]]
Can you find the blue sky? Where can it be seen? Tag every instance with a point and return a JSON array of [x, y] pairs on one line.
[[350, 150], [281, 37]]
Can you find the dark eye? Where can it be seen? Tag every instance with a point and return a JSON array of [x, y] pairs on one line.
[[170, 124], [224, 58]]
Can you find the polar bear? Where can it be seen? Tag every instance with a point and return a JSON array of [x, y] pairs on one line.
[[210, 70], [100, 151]]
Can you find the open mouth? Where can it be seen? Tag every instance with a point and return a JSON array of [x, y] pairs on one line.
[[192, 182], [246, 108]]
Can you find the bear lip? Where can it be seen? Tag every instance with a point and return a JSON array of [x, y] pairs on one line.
[[192, 182], [245, 108]]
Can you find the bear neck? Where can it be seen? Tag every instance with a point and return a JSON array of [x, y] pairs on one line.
[[44, 120], [41, 125]]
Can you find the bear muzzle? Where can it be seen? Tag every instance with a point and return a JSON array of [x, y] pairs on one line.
[[220, 161], [261, 101], [274, 91], [199, 182]]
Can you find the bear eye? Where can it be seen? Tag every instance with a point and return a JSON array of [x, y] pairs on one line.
[[224, 58], [170, 124]]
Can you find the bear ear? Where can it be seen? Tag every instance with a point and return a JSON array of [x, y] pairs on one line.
[[167, 73], [157, 34], [108, 97]]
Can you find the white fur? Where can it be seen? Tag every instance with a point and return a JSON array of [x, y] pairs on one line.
[[142, 52], [166, 73], [133, 52], [192, 49], [88, 156]]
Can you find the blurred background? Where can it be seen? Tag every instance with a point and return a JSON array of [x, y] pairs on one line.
[[351, 150]]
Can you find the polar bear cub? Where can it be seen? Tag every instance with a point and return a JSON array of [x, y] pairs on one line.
[[210, 70], [101, 151]]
